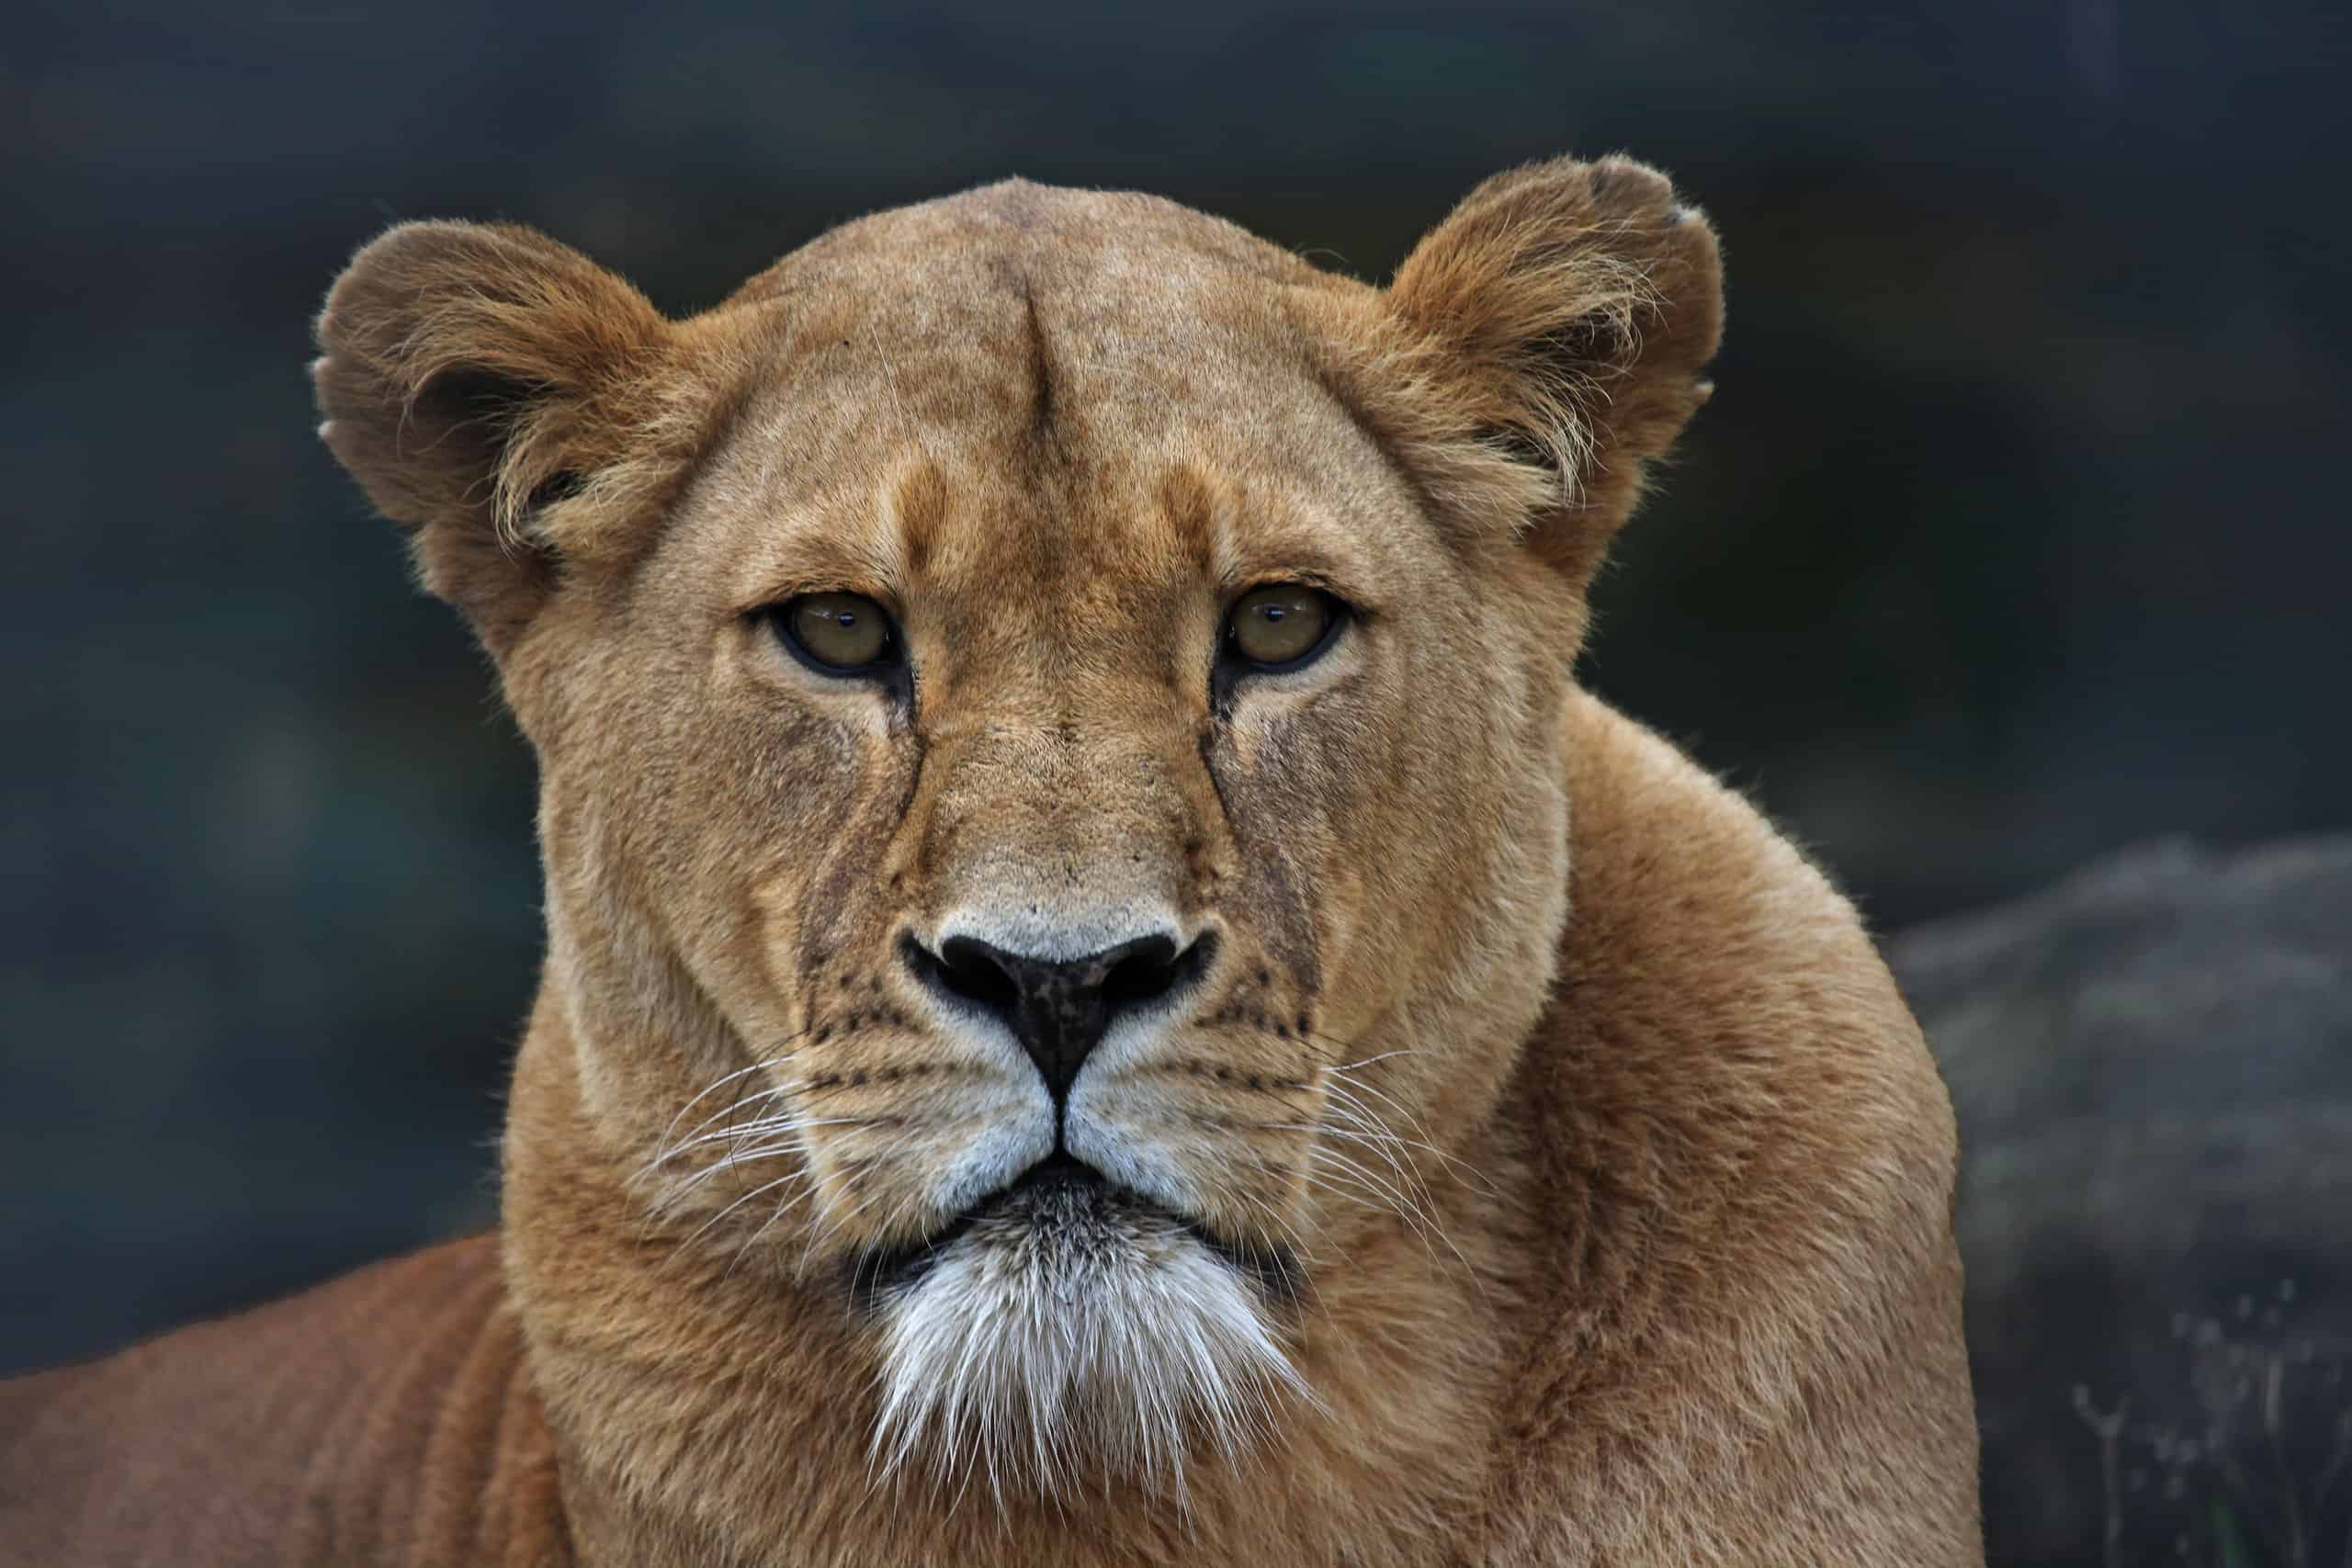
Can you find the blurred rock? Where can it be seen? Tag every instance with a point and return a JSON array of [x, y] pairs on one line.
[[2151, 1064]]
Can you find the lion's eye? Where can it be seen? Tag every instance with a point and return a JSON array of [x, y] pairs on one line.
[[838, 634], [1283, 626]]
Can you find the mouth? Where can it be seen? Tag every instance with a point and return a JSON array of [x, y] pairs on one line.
[[1065, 1204]]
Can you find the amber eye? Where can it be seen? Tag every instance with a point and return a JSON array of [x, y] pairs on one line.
[[838, 634], [1283, 626]]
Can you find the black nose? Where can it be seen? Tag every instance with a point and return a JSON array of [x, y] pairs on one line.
[[1060, 1010]]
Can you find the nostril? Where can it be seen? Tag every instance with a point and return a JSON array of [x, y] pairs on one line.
[[974, 971], [1148, 969], [1133, 981]]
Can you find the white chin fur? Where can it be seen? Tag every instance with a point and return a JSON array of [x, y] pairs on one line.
[[1065, 1342]]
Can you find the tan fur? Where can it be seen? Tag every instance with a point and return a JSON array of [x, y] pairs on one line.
[[1654, 1264]]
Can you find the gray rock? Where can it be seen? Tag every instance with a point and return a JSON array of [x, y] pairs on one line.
[[2151, 1064]]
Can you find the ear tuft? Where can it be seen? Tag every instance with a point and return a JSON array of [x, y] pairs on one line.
[[473, 376], [1560, 319]]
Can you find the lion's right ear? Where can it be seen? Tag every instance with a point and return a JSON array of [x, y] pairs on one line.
[[505, 398], [1540, 350]]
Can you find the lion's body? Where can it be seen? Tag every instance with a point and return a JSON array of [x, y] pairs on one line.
[[1720, 1134], [385, 1418], [1546, 1118]]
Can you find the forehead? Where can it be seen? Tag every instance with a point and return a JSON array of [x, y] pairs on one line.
[[1026, 390]]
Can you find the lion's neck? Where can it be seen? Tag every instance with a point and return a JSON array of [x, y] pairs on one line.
[[713, 1414]]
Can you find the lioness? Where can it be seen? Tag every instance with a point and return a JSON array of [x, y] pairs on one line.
[[1109, 1000]]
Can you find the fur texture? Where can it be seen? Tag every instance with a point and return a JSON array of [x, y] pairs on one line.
[[1538, 1166], [1062, 1342]]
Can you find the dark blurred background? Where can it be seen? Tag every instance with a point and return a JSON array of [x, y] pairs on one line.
[[2015, 534]]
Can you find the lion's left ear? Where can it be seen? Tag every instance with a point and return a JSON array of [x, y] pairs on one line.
[[1545, 343], [514, 405]]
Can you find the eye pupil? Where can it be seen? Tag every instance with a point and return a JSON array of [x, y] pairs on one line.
[[837, 634], [1283, 626]]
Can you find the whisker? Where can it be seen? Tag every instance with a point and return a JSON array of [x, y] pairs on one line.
[[1413, 1214], [760, 1127], [832, 1228], [1351, 1066], [766, 1225], [776, 1091], [1346, 1096], [788, 1176], [1348, 1087], [671, 1197], [1400, 1200], [728, 1078]]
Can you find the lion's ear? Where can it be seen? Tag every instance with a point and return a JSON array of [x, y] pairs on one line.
[[501, 395], [1559, 319]]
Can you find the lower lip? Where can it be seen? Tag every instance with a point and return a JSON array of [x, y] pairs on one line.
[[876, 1275]]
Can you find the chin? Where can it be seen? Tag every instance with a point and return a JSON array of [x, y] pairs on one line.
[[1065, 1331]]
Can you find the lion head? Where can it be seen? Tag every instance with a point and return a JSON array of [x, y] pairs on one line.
[[1048, 710]]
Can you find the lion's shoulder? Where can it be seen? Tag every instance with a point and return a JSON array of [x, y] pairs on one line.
[[1747, 1153], [1700, 935]]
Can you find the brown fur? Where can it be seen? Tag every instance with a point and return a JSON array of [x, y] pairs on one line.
[[1657, 1265]]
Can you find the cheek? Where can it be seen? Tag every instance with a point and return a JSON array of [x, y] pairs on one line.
[[835, 872], [1370, 815], [1300, 784], [745, 829]]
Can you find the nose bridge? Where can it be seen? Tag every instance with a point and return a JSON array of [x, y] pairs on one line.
[[1062, 825]]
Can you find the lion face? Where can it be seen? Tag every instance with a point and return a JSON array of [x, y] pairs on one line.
[[1055, 934], [1047, 713]]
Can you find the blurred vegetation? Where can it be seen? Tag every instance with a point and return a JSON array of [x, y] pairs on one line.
[[2245, 1461]]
